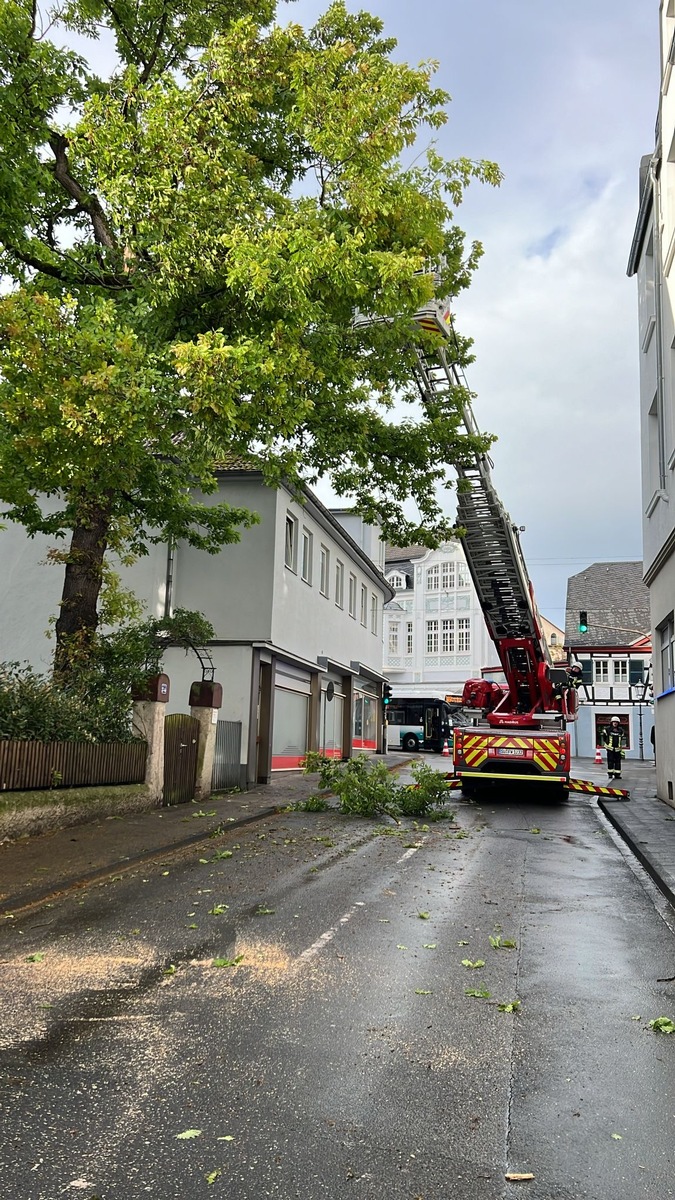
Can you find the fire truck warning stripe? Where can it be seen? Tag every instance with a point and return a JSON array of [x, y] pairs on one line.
[[478, 775], [585, 785]]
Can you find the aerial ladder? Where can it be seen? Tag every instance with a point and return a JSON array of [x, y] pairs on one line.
[[516, 732]]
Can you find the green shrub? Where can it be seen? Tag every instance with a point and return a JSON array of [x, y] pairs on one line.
[[363, 787], [33, 708], [313, 761], [427, 795]]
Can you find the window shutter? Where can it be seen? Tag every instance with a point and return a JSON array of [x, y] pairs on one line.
[[587, 670], [636, 669]]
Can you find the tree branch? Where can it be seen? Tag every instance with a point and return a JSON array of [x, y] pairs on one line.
[[161, 29], [90, 204], [80, 274]]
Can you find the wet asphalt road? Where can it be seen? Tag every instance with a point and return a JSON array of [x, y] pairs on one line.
[[339, 1055]]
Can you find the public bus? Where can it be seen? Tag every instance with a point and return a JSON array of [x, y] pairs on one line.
[[418, 723]]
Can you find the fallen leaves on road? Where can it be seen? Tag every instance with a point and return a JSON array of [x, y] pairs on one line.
[[188, 1134], [662, 1025], [474, 966]]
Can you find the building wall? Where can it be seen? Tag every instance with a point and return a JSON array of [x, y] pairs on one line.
[[655, 271], [233, 588], [309, 622], [30, 592], [423, 669], [662, 598]]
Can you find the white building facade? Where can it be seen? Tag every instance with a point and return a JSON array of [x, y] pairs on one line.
[[435, 637], [297, 610], [651, 260]]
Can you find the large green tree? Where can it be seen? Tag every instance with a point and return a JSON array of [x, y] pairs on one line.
[[187, 238]]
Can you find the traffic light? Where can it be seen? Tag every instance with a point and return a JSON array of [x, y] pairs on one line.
[[386, 694], [583, 621]]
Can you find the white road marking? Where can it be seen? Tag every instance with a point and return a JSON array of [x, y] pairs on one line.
[[410, 852], [327, 937]]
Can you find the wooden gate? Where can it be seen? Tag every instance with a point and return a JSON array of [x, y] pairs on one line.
[[180, 757]]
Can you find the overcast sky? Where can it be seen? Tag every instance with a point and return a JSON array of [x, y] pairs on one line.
[[564, 98]]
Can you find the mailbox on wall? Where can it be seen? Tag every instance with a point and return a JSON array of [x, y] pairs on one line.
[[155, 687], [205, 693]]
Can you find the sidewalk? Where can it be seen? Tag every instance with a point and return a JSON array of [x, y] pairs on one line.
[[33, 869], [645, 823]]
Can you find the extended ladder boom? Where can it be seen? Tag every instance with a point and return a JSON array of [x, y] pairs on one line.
[[495, 559]]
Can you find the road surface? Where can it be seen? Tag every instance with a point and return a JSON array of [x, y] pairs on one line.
[[335, 1051]]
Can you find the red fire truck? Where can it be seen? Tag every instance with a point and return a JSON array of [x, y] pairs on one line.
[[517, 730]]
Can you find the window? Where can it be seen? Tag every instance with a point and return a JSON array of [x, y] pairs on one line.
[[463, 635], [447, 637], [620, 670], [352, 596], [306, 556], [432, 637], [656, 443], [553, 640], [364, 605], [394, 627], [339, 583], [447, 576], [291, 543], [409, 637], [397, 581], [601, 670], [433, 578], [325, 568], [373, 613], [463, 577], [666, 644]]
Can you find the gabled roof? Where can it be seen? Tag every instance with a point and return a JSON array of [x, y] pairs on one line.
[[397, 554], [616, 600]]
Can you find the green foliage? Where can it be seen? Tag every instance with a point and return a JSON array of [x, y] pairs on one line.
[[314, 761], [363, 787], [34, 708], [662, 1025], [185, 244], [427, 795]]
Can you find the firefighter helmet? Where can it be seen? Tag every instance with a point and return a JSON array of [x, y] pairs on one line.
[[613, 719]]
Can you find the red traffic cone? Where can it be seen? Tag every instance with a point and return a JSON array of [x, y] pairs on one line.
[[598, 756], [446, 749]]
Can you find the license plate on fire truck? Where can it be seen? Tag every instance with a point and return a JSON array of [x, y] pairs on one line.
[[508, 751]]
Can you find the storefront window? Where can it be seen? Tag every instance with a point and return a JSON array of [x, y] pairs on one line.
[[365, 722], [330, 733], [289, 740]]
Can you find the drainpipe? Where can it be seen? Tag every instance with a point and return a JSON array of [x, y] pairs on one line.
[[168, 584]]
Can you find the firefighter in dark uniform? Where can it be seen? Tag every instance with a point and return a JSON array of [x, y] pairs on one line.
[[575, 675], [614, 741]]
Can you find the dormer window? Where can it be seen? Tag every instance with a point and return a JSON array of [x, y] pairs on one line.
[[397, 581]]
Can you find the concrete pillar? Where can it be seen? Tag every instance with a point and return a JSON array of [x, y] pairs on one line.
[[206, 747], [206, 698], [148, 723]]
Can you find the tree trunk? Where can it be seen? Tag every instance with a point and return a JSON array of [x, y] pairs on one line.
[[78, 615]]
